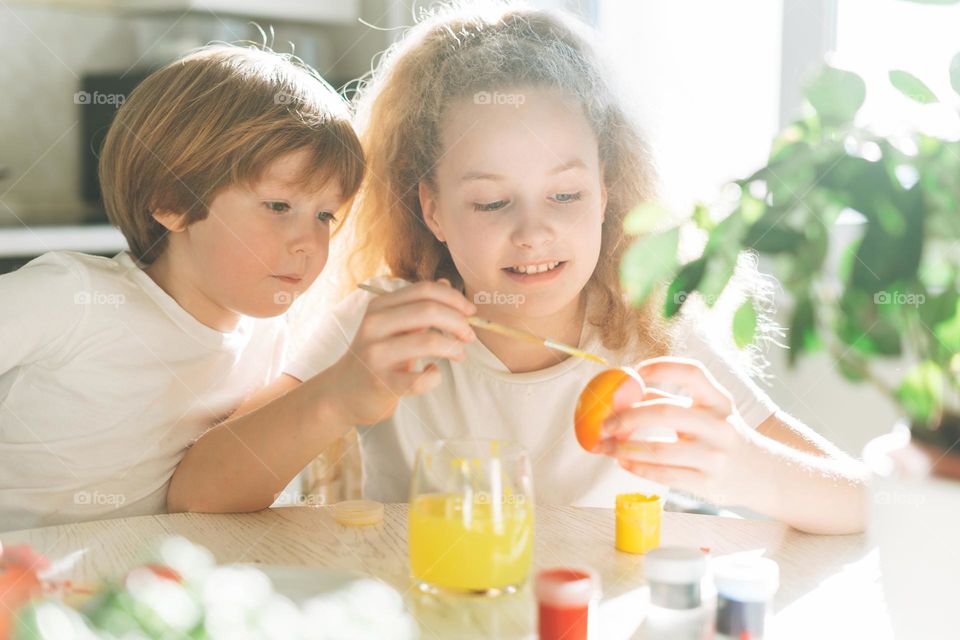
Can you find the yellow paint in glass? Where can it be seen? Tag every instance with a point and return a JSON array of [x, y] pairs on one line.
[[471, 545], [638, 522]]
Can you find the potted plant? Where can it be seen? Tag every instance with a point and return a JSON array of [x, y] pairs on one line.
[[894, 293]]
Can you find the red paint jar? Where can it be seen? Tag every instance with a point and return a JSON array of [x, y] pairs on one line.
[[565, 596]]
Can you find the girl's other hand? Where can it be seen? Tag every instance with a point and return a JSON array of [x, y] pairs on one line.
[[710, 453]]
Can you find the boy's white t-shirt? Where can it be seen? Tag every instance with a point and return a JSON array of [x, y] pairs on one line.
[[104, 382], [480, 397]]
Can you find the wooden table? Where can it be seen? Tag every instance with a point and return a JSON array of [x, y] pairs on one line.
[[829, 584]]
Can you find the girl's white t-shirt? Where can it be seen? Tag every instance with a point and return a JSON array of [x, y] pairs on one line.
[[104, 382], [479, 397]]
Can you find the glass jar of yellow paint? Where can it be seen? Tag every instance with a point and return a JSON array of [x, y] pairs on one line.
[[638, 517], [471, 517]]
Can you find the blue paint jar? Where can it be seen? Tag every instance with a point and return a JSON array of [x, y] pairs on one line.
[[745, 588]]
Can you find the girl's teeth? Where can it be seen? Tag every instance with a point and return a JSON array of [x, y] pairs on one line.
[[540, 268]]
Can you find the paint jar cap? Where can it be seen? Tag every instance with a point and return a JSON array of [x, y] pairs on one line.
[[358, 513], [638, 505], [567, 586], [675, 565], [746, 578]]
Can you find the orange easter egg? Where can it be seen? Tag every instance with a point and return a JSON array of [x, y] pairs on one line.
[[18, 585], [607, 392], [163, 571]]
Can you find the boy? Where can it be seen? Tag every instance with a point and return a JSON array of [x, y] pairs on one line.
[[224, 171]]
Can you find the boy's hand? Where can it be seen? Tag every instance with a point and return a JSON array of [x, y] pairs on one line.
[[711, 454], [396, 331]]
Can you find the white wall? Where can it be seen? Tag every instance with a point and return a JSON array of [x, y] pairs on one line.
[[705, 81]]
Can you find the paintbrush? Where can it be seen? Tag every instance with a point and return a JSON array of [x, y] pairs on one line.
[[504, 330]]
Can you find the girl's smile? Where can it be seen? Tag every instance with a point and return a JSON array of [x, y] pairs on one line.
[[535, 272]]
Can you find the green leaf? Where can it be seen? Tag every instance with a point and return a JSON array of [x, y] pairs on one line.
[[808, 258], [936, 273], [843, 171], [751, 208], [648, 262], [745, 324], [645, 218], [727, 235], [940, 308], [702, 217], [683, 285], [860, 324], [836, 95], [848, 257], [802, 337], [723, 249], [769, 235], [883, 259], [891, 248], [885, 337], [955, 73], [912, 87], [921, 392], [948, 331], [719, 270], [792, 182], [790, 143]]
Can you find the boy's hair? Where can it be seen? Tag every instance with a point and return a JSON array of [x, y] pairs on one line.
[[461, 51], [216, 118]]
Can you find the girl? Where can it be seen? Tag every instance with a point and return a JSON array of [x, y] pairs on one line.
[[501, 161]]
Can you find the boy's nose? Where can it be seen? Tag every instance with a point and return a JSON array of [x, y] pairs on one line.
[[310, 241]]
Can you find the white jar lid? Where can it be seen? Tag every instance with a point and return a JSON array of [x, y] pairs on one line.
[[675, 565], [746, 578], [567, 586]]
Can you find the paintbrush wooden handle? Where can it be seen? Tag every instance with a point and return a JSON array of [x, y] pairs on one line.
[[502, 329]]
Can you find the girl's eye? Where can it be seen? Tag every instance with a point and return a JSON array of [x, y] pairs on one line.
[[490, 206], [326, 216], [277, 207], [564, 198]]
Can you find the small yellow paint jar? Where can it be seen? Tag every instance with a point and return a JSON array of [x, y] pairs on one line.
[[638, 522]]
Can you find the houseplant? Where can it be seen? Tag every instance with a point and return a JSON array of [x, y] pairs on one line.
[[896, 290], [894, 294]]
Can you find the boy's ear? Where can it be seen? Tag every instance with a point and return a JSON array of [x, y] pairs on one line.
[[171, 220], [428, 204]]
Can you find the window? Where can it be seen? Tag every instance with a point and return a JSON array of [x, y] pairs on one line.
[[875, 36]]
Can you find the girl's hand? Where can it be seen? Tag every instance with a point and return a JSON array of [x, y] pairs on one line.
[[711, 456], [396, 331]]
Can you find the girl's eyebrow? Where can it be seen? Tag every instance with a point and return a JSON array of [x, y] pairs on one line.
[[575, 163], [479, 175]]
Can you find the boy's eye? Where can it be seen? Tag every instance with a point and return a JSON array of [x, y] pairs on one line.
[[564, 198], [490, 206], [326, 216], [277, 207]]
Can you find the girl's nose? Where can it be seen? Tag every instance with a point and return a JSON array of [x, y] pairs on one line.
[[533, 230]]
